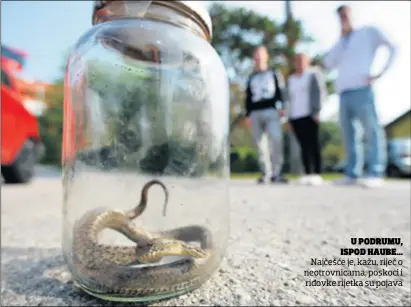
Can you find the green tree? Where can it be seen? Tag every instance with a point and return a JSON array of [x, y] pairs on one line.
[[330, 133], [236, 32], [332, 154], [51, 121], [51, 124], [331, 143]]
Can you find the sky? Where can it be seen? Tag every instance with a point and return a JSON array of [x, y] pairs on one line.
[[47, 29]]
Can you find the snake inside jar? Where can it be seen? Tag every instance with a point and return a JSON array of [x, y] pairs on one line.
[[111, 270]]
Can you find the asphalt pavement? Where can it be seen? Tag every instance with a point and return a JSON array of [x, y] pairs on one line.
[[275, 231]]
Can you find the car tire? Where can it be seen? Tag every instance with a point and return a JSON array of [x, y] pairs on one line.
[[22, 169], [393, 172]]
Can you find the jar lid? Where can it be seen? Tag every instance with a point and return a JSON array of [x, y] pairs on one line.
[[195, 7], [198, 8]]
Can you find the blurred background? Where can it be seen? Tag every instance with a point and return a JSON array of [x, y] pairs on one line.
[[36, 37]]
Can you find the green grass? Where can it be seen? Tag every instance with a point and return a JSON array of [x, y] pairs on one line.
[[327, 176]]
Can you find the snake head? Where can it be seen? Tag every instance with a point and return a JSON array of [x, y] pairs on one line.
[[193, 251], [160, 248]]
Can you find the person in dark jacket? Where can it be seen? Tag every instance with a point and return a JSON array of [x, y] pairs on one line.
[[264, 104]]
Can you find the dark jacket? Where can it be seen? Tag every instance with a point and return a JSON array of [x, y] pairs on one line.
[[265, 90]]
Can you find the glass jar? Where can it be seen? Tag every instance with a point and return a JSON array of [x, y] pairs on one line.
[[146, 108]]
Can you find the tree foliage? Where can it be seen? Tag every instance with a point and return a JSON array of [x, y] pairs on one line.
[[331, 143], [51, 124], [237, 31]]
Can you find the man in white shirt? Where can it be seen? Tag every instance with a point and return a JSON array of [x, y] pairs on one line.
[[306, 92], [352, 57]]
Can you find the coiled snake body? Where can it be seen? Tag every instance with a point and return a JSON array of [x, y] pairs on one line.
[[109, 270]]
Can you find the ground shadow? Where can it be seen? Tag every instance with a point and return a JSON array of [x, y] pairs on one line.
[[35, 276], [41, 171], [44, 171]]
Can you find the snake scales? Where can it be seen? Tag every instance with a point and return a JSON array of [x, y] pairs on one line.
[[109, 269]]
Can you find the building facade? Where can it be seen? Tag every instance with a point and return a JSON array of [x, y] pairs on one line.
[[399, 127]]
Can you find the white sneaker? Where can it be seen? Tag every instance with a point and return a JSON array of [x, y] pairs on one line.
[[345, 181], [372, 182], [316, 180], [303, 180]]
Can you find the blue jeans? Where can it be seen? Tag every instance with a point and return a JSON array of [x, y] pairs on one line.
[[357, 110]]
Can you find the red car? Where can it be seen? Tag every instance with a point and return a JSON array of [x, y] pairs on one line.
[[20, 137]]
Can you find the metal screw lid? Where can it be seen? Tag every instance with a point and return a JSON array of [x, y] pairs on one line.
[[194, 7], [198, 8]]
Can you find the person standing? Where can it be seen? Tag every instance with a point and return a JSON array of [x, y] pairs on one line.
[[307, 91], [264, 103], [352, 57]]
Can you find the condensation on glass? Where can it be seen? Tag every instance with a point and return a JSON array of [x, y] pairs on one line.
[[146, 98]]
